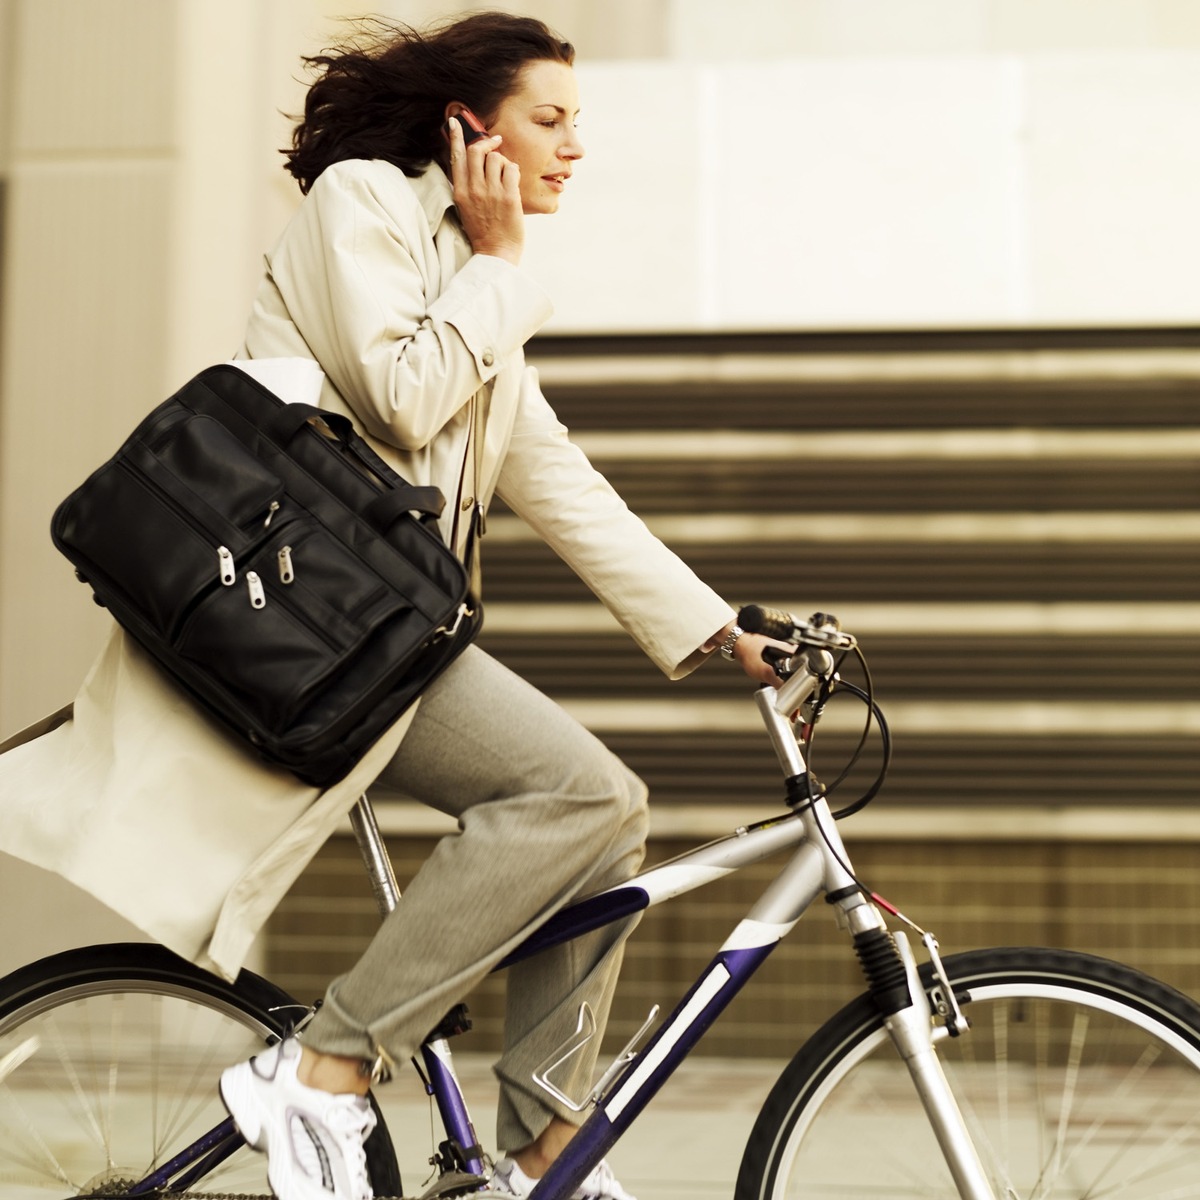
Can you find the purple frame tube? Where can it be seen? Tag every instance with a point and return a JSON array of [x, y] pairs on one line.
[[216, 1146], [452, 1106]]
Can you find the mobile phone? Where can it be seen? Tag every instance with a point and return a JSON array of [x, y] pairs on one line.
[[472, 126]]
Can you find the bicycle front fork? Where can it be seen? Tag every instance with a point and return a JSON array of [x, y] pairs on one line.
[[909, 1017]]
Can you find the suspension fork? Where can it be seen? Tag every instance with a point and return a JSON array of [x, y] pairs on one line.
[[891, 972]]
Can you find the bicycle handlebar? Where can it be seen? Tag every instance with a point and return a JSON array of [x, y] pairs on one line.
[[821, 630], [810, 677]]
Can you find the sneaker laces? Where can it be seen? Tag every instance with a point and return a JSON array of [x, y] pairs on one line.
[[352, 1123], [602, 1184]]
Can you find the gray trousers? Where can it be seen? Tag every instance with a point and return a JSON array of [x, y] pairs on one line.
[[545, 813]]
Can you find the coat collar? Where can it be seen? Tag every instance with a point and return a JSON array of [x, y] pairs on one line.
[[435, 193]]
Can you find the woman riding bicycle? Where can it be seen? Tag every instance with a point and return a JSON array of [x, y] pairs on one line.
[[400, 275]]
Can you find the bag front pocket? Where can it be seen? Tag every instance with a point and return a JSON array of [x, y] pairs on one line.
[[261, 656], [204, 469], [300, 609], [158, 571]]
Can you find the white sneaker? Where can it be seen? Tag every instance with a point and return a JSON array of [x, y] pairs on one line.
[[510, 1180], [313, 1139]]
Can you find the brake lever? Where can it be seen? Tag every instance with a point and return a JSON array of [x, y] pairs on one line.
[[782, 662]]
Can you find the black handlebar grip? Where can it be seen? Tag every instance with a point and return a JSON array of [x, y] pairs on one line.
[[772, 622]]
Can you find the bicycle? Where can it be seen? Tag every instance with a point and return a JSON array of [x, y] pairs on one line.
[[1042, 1074]]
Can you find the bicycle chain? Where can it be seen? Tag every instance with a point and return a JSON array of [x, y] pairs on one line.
[[465, 1191], [107, 1192], [460, 1187], [451, 1186]]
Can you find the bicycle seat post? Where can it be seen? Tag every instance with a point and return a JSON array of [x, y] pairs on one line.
[[374, 855], [461, 1152]]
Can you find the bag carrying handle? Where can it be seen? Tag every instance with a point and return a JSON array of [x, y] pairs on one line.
[[290, 417], [388, 507]]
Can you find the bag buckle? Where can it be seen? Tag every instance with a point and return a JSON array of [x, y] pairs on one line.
[[445, 631]]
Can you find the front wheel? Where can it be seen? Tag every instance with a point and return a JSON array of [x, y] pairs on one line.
[[1079, 1078]]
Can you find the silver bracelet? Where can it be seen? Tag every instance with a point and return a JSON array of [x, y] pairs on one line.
[[730, 641]]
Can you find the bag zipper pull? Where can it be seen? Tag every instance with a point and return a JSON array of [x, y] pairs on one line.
[[287, 572], [225, 567], [258, 596], [271, 511]]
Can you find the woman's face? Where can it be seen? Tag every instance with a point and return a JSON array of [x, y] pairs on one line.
[[537, 125]]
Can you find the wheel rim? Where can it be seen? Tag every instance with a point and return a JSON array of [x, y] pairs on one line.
[[1069, 1095], [105, 1081]]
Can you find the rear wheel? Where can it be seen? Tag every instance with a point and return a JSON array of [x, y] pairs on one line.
[[1079, 1078], [109, 1060]]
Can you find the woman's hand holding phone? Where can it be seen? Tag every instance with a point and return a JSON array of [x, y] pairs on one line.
[[487, 192]]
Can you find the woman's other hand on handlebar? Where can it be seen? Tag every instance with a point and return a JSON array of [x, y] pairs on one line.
[[748, 652], [487, 195]]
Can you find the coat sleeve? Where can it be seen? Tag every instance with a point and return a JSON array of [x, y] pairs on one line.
[[548, 481], [356, 269]]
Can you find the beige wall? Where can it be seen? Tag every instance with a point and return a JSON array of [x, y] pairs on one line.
[[88, 177], [7, 11], [761, 30], [87, 240]]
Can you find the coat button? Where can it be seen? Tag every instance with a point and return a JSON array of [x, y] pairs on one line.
[[468, 503], [488, 358]]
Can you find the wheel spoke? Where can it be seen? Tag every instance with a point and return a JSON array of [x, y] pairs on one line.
[[116, 1027], [34, 1155], [1000, 1019]]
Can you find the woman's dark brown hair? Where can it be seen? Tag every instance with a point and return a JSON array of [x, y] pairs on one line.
[[383, 93]]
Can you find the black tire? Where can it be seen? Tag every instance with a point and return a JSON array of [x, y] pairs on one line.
[[1079, 1078], [109, 1058]]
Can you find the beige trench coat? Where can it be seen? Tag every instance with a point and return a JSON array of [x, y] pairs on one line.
[[134, 796]]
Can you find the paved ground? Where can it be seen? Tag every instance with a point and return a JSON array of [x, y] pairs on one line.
[[1129, 1128], [686, 1146]]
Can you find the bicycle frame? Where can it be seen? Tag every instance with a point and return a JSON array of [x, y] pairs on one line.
[[819, 865]]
